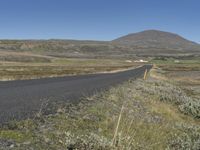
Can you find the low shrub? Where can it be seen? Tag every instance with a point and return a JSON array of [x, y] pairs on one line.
[[191, 107], [188, 139], [168, 92]]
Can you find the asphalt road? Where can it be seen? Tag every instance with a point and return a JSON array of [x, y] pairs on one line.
[[22, 99]]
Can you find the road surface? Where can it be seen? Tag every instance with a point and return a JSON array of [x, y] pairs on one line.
[[23, 98]]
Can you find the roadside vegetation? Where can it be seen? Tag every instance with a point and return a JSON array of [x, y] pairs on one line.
[[162, 112]]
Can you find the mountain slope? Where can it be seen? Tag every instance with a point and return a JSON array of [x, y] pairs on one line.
[[163, 41]]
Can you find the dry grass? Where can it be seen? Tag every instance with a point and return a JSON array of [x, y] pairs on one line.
[[124, 117], [141, 114], [60, 67], [18, 65]]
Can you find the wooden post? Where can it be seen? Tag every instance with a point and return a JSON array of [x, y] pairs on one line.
[[117, 127], [145, 74]]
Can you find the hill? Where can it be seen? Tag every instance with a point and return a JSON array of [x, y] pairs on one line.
[[146, 43], [158, 41]]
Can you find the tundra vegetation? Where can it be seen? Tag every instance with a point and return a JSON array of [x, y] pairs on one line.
[[161, 112], [55, 67]]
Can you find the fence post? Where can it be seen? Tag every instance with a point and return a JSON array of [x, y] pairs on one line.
[[145, 74]]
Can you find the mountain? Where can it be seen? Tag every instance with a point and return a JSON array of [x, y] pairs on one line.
[[146, 43], [158, 41]]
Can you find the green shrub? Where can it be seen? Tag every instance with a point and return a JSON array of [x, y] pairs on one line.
[[168, 92], [191, 108], [188, 139]]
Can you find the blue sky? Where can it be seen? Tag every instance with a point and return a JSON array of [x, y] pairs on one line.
[[96, 19]]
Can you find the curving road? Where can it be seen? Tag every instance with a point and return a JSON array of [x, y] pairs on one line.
[[21, 99]]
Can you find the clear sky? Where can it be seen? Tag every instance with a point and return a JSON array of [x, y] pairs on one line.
[[96, 19]]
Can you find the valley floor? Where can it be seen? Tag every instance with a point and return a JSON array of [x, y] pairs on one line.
[[158, 113], [56, 67]]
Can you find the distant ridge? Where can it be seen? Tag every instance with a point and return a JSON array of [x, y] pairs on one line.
[[145, 43]]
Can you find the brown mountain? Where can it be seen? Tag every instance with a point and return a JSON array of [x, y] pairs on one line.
[[158, 41]]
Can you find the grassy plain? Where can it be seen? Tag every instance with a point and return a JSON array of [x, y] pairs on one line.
[[161, 112], [10, 70]]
